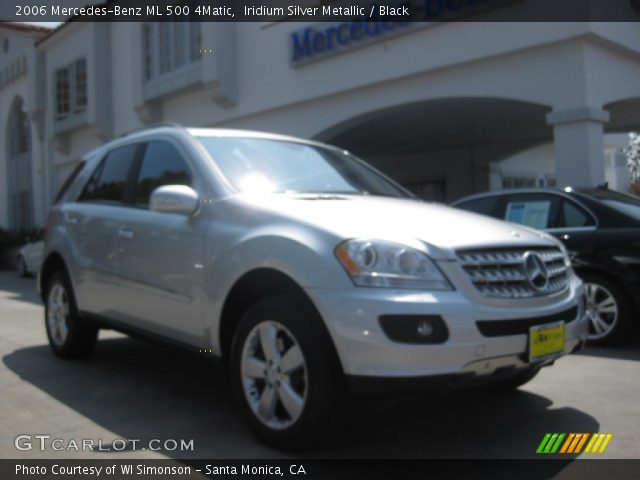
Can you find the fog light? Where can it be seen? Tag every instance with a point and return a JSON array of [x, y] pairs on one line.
[[425, 328], [420, 329]]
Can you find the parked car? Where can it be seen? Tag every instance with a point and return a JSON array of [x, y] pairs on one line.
[[306, 271], [601, 230], [30, 258]]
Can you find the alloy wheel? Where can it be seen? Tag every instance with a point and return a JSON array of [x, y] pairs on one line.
[[58, 314], [274, 375], [602, 311]]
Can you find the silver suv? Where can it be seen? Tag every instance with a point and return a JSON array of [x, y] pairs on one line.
[[308, 272]]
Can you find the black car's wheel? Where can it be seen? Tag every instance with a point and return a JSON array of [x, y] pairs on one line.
[[608, 309], [69, 334], [22, 267], [285, 373]]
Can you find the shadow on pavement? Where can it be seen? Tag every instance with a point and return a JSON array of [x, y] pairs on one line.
[[624, 352], [142, 390], [20, 289]]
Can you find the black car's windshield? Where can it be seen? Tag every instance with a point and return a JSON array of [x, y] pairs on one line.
[[265, 165], [623, 203]]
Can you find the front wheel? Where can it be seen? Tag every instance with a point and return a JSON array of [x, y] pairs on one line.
[[69, 334], [285, 373]]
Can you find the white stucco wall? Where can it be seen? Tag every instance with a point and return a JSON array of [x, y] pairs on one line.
[[543, 63]]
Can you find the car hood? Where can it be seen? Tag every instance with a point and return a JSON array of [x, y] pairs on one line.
[[402, 220]]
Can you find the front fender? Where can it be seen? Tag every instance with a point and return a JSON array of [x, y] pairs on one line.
[[309, 263]]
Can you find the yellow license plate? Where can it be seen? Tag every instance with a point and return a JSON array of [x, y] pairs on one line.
[[546, 340]]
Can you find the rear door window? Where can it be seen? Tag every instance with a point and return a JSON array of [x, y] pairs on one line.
[[535, 210], [109, 181], [161, 165]]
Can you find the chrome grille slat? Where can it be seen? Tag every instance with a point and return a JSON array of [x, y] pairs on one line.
[[500, 273]]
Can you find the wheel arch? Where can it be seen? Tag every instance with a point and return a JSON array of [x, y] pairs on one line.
[[53, 263], [250, 288]]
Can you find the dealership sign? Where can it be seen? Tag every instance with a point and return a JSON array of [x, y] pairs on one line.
[[377, 22]]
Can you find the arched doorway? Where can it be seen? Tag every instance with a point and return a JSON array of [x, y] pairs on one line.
[[20, 183]]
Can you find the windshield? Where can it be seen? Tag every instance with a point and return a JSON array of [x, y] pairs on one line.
[[255, 165]]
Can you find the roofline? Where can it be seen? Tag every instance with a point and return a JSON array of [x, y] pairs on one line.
[[492, 193], [223, 132], [232, 132], [23, 27], [567, 190], [204, 131], [53, 32], [70, 20]]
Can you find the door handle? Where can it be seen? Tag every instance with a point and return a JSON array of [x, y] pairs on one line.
[[126, 233], [70, 218]]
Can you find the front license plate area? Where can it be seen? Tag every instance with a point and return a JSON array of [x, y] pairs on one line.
[[546, 341]]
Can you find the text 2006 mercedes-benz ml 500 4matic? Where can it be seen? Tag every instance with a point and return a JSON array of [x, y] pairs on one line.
[[308, 272]]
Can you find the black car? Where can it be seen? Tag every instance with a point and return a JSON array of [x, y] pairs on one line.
[[601, 230]]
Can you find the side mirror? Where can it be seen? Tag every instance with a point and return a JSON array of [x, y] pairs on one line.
[[174, 199]]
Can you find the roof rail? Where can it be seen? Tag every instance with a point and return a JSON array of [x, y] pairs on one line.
[[149, 127]]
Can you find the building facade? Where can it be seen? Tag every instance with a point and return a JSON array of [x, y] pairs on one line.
[[446, 109], [22, 182]]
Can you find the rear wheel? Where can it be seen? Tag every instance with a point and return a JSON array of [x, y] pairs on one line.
[[608, 309], [69, 334], [285, 374]]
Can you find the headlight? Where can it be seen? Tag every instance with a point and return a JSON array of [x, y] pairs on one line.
[[376, 263]]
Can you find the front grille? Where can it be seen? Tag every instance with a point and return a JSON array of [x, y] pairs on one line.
[[501, 273], [499, 328]]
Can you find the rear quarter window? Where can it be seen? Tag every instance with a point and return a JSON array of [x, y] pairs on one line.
[[572, 216]]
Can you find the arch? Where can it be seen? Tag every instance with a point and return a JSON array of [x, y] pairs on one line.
[[425, 107], [443, 148], [19, 176]]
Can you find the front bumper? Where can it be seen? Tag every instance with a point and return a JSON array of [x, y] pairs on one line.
[[366, 351]]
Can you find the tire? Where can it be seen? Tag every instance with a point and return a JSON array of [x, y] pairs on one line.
[[23, 272], [69, 335], [609, 310], [295, 410], [516, 381]]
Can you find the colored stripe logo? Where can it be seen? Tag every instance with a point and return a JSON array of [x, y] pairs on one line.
[[573, 443]]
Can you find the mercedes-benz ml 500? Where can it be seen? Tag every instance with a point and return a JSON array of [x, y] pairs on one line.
[[307, 271]]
